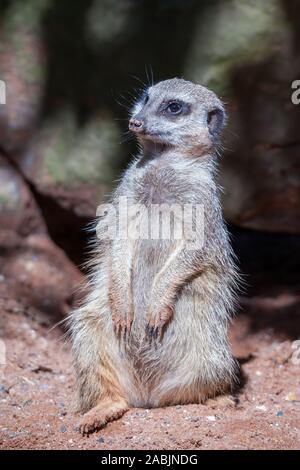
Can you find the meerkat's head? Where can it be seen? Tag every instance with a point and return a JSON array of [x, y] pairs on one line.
[[178, 113]]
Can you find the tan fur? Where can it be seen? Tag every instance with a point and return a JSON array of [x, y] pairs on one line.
[[152, 331]]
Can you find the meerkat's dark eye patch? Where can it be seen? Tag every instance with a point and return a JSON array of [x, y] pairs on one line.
[[215, 120], [174, 108]]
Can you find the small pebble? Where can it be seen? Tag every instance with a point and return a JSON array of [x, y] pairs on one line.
[[63, 429], [12, 434], [3, 389], [44, 386], [279, 413], [261, 407], [292, 396], [100, 440], [211, 418]]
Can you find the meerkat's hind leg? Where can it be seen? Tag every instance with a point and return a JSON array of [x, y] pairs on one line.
[[97, 363], [107, 410]]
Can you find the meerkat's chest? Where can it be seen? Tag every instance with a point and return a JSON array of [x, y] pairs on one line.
[[164, 186]]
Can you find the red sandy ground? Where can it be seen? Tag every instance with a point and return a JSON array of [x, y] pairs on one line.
[[37, 387]]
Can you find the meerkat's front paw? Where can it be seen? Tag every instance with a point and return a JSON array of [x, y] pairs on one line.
[[156, 322], [122, 325]]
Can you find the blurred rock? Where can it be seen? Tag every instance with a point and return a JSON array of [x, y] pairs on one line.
[[232, 34], [39, 273], [293, 396], [248, 52], [22, 69], [114, 23], [64, 74], [18, 209], [73, 164]]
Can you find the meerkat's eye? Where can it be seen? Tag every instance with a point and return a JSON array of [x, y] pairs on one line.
[[174, 107], [146, 98]]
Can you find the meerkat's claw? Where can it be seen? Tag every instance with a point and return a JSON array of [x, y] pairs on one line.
[[150, 333], [127, 330], [125, 336], [159, 333], [156, 324], [122, 328], [149, 330], [154, 331]]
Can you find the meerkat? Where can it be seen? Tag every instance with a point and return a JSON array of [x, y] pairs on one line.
[[153, 329]]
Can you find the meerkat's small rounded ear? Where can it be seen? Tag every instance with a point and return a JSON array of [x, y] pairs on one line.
[[215, 121]]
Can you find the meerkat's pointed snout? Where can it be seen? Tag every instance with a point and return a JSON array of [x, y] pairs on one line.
[[136, 125]]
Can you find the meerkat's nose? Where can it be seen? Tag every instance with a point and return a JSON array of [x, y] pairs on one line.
[[136, 125]]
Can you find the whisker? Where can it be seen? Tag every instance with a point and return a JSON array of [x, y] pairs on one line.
[[147, 76], [152, 75], [128, 137], [123, 105], [141, 81], [64, 320]]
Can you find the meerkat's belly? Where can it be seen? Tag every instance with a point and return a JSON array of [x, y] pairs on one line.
[[162, 224], [149, 256]]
